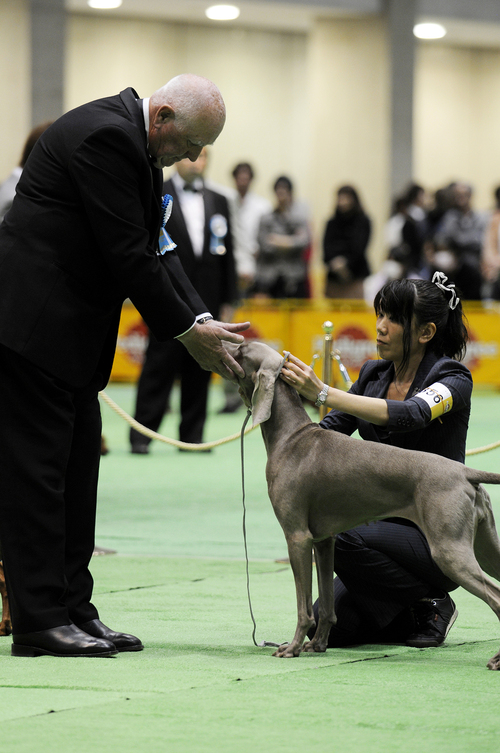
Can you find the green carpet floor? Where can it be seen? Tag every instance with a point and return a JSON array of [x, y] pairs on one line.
[[178, 580]]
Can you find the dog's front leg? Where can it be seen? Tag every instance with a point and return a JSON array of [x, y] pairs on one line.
[[324, 553], [300, 553]]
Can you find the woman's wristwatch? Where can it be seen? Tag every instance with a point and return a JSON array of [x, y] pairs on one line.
[[320, 400]]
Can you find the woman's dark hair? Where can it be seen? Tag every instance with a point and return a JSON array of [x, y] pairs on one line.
[[30, 142], [422, 301], [497, 196], [412, 192], [283, 181], [351, 191]]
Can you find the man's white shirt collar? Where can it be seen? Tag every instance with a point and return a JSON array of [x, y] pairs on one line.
[[145, 110]]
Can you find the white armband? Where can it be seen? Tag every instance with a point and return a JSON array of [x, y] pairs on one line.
[[438, 397]]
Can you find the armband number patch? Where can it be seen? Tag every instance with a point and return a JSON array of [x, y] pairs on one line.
[[438, 397]]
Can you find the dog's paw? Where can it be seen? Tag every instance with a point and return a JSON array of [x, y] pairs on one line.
[[494, 662], [314, 647], [5, 627]]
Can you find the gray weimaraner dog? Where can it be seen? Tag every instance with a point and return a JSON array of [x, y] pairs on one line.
[[323, 482]]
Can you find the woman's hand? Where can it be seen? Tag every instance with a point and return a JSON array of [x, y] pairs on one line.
[[300, 376], [305, 381]]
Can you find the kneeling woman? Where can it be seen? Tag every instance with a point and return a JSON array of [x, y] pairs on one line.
[[417, 396]]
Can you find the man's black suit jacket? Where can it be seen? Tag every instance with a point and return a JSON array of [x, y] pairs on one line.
[[81, 237], [213, 276]]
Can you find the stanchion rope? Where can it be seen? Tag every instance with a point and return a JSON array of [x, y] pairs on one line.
[[154, 435], [208, 445]]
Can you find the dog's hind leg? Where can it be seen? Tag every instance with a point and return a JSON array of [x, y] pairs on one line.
[[324, 554], [457, 560], [486, 541], [300, 553]]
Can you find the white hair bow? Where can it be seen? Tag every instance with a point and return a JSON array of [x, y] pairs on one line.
[[439, 279]]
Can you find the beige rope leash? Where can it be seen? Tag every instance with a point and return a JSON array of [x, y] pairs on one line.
[[486, 448], [154, 435]]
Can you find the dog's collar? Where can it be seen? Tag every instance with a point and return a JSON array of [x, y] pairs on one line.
[[285, 359]]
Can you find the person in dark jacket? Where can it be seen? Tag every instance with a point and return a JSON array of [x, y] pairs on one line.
[[346, 238], [388, 588], [198, 214], [83, 234]]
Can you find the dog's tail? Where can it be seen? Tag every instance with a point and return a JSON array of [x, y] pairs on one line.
[[481, 477]]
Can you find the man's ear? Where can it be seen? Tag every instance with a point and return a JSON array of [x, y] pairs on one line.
[[162, 115], [427, 333]]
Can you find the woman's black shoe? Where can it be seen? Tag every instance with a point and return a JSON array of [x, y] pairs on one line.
[[434, 619]]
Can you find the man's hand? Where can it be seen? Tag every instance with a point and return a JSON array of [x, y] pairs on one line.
[[204, 343]]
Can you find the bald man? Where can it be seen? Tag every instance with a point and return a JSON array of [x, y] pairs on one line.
[[81, 237]]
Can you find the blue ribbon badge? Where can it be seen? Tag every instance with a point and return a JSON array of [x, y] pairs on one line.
[[165, 242], [218, 231]]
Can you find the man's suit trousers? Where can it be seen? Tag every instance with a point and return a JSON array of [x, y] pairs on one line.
[[50, 440], [164, 362]]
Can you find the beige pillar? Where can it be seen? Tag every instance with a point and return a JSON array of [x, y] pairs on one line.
[[48, 29], [400, 21]]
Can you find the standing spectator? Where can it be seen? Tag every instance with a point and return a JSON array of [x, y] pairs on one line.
[[346, 239], [490, 256], [461, 238], [417, 204], [415, 227], [393, 230], [406, 230], [284, 241], [248, 211], [200, 226], [8, 187], [441, 202]]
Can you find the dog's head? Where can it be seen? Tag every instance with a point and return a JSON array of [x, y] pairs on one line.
[[262, 366]]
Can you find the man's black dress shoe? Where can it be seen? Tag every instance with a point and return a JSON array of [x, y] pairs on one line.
[[65, 640], [121, 641], [139, 449]]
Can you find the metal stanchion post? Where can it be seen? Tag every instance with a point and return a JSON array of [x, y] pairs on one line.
[[327, 361], [328, 356]]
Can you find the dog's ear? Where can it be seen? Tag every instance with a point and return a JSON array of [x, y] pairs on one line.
[[233, 349], [263, 395], [264, 379]]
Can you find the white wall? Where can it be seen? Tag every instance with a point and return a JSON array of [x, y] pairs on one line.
[[457, 118]]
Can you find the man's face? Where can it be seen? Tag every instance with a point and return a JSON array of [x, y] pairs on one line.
[[189, 170], [171, 141], [243, 178]]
